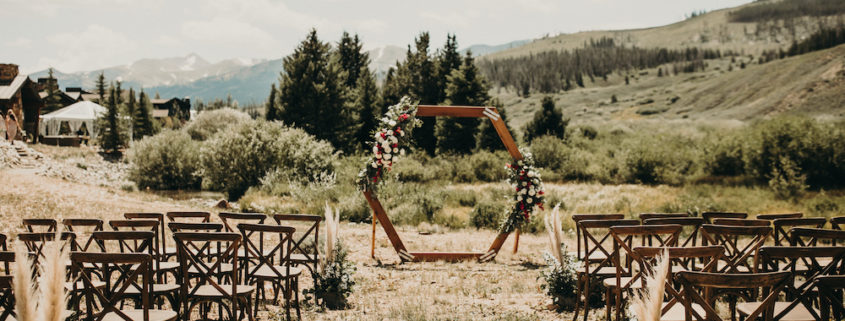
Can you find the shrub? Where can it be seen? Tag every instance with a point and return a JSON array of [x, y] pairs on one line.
[[724, 156], [168, 160], [660, 159], [335, 283], [547, 121], [561, 281], [487, 214], [239, 156], [487, 166], [786, 180], [208, 123]]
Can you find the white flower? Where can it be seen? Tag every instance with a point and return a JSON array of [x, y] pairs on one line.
[[375, 149], [375, 165], [402, 133], [378, 156], [522, 192], [387, 156], [377, 136], [392, 123], [402, 152], [531, 192], [524, 183], [389, 133], [530, 200], [519, 162], [394, 139], [519, 198], [385, 145]]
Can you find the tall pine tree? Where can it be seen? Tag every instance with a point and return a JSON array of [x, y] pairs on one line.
[[101, 88], [311, 93], [52, 101], [547, 121], [111, 140], [448, 60], [352, 58], [144, 124], [487, 137], [271, 109], [367, 103], [421, 77], [466, 87], [131, 109]]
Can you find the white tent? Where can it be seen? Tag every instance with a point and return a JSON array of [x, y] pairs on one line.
[[83, 112]]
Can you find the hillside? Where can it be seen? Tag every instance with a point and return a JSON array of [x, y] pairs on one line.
[[711, 30], [813, 83]]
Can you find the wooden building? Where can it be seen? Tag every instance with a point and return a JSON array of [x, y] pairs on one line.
[[175, 107], [19, 95]]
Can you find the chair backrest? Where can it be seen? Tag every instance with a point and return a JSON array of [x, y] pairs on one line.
[[741, 222], [783, 225], [133, 271], [802, 236], [199, 267], [267, 253], [714, 285], [830, 289], [736, 253], [771, 217], [708, 255], [147, 225], [126, 242], [37, 225], [312, 230], [197, 217], [598, 243], [162, 242], [625, 239], [593, 217], [710, 216], [83, 228], [35, 242], [812, 262], [231, 220], [646, 216], [195, 227], [837, 222], [3, 242], [7, 298], [689, 224]]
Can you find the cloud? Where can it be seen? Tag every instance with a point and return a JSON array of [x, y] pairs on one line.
[[226, 31], [94, 46], [19, 42]]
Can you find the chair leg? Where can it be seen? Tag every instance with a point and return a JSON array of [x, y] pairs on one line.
[[578, 292], [608, 303], [586, 292], [296, 295]]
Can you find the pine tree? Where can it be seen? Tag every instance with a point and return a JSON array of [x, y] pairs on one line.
[[351, 58], [391, 89], [270, 106], [367, 102], [448, 61], [131, 111], [118, 94], [144, 125], [111, 135], [466, 87], [422, 85], [52, 100], [547, 121], [487, 137], [101, 88], [157, 96], [311, 93]]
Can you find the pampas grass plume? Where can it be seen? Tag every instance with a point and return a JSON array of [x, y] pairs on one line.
[[23, 285], [553, 227], [648, 303], [53, 301], [332, 223]]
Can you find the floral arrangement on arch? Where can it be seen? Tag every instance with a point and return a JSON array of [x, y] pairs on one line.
[[528, 191], [389, 142]]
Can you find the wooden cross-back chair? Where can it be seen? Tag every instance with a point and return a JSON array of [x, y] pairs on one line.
[[83, 228], [625, 238], [274, 266], [647, 216], [161, 268], [774, 216], [783, 225], [301, 255], [830, 289], [709, 255], [187, 217], [689, 224], [715, 285], [205, 278], [597, 239], [133, 274], [592, 217], [231, 221], [710, 216], [837, 222], [7, 298], [162, 250], [38, 225], [139, 242], [741, 222], [806, 262], [35, 242], [802, 236], [737, 254], [3, 246]]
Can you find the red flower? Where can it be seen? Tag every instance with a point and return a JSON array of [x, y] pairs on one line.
[[383, 135], [540, 193]]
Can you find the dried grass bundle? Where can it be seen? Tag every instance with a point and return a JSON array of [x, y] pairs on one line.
[[51, 283], [332, 224], [648, 303], [553, 227], [23, 285]]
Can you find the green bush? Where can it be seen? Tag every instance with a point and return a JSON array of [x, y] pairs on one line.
[[487, 214], [208, 123], [724, 156], [168, 160], [239, 156], [487, 166], [661, 159]]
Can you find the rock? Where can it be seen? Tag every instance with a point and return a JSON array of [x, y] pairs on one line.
[[222, 204]]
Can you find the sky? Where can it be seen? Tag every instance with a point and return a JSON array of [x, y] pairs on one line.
[[82, 35]]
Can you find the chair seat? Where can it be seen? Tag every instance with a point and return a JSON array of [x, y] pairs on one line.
[[678, 313], [80, 285], [604, 271], [224, 268], [157, 289], [299, 257], [741, 268], [596, 256], [798, 313], [264, 272], [611, 282], [168, 266], [209, 291], [267, 252], [155, 315]]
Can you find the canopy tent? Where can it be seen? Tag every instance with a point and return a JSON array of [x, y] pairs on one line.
[[83, 112]]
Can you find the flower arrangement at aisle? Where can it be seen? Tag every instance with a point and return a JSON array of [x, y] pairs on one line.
[[389, 142], [528, 192], [560, 277], [334, 281]]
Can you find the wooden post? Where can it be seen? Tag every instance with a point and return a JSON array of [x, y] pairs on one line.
[[373, 243], [516, 242]]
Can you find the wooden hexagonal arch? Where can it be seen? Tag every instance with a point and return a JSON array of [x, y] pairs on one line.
[[490, 113]]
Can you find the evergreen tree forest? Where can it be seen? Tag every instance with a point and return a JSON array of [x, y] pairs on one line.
[[329, 91], [553, 71]]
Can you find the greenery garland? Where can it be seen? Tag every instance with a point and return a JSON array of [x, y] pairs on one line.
[[393, 138]]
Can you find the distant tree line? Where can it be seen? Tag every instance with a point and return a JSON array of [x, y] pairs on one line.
[[125, 116], [329, 92], [552, 71], [823, 39], [787, 9]]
